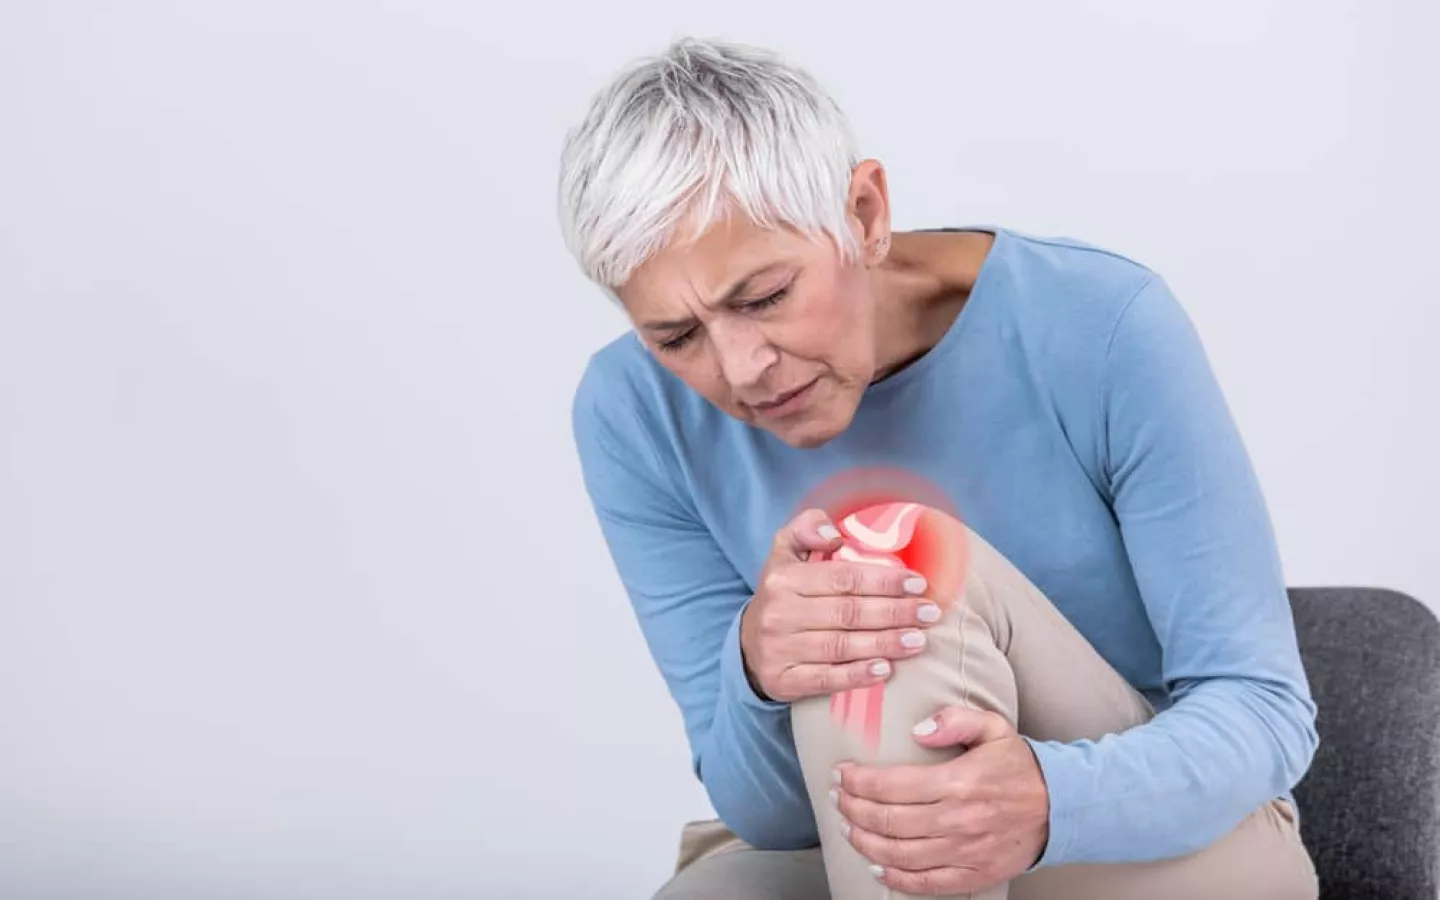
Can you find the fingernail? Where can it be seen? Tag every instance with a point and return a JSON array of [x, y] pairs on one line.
[[845, 830], [928, 612], [880, 669], [929, 726], [829, 532], [877, 871], [912, 639], [834, 776], [834, 797], [915, 585]]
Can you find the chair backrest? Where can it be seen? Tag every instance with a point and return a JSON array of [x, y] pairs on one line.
[[1370, 804]]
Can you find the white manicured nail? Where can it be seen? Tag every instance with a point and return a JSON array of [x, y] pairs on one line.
[[929, 726], [834, 776], [829, 532], [880, 669], [845, 830], [834, 798], [928, 612], [915, 585], [877, 871], [912, 639]]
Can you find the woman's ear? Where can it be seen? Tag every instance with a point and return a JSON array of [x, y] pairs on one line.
[[868, 209]]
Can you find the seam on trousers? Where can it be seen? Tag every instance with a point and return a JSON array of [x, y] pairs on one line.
[[965, 700]]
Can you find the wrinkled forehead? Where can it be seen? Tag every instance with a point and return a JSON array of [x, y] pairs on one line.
[[696, 271]]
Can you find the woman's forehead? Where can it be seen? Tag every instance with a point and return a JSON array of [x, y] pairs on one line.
[[725, 260]]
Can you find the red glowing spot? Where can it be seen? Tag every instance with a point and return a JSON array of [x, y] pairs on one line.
[[890, 517]]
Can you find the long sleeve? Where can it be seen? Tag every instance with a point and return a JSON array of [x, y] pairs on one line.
[[688, 598], [1241, 730]]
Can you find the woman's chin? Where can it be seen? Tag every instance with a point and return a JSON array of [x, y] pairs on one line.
[[814, 429]]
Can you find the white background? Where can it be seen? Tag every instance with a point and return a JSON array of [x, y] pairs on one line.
[[299, 592]]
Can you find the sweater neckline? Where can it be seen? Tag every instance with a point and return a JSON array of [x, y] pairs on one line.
[[948, 341]]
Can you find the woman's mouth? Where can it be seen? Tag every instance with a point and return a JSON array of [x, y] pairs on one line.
[[786, 404]]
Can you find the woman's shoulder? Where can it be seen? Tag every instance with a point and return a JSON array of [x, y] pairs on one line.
[[1066, 275], [611, 381], [1063, 298]]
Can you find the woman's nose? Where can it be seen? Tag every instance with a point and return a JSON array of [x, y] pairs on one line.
[[745, 355]]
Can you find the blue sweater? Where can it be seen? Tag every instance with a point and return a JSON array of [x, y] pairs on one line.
[[1071, 415]]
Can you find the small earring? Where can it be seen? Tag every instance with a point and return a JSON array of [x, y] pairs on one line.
[[882, 247]]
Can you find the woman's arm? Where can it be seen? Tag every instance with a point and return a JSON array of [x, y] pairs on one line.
[[1200, 542], [688, 598]]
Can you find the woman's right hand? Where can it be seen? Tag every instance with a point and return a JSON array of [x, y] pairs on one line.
[[820, 627]]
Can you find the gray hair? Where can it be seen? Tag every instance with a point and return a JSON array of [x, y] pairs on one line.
[[681, 139]]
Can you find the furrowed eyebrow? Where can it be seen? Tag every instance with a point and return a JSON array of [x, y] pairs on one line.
[[738, 287]]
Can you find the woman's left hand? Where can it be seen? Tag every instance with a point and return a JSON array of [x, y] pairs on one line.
[[953, 827]]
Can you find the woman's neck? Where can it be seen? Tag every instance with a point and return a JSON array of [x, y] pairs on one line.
[[920, 289]]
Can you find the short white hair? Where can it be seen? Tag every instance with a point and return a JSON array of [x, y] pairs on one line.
[[705, 129]]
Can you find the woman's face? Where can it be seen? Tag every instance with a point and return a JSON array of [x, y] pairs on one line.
[[770, 326]]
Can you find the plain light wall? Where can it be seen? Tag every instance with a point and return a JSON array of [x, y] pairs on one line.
[[300, 595]]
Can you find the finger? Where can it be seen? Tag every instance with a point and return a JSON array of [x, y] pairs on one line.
[[862, 613], [814, 679], [850, 646], [837, 578], [894, 784], [811, 531], [910, 855], [941, 881], [954, 726], [891, 820]]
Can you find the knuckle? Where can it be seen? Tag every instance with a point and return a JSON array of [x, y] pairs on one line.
[[928, 882], [902, 855], [886, 583], [849, 613], [888, 644], [859, 674], [844, 580], [774, 617], [768, 623], [834, 646], [773, 582], [909, 608], [988, 817], [825, 681], [949, 819], [885, 820], [969, 823], [900, 612], [960, 786]]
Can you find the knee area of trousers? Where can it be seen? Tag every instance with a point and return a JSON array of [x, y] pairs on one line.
[[919, 537], [992, 585]]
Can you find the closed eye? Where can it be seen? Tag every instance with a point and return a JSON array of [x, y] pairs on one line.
[[678, 342], [769, 301]]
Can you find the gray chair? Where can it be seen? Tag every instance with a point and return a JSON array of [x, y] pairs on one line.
[[1370, 804]]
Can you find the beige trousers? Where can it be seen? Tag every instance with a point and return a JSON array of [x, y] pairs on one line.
[[1005, 648]]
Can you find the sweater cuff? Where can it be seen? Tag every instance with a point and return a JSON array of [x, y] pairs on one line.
[[734, 683], [1056, 766]]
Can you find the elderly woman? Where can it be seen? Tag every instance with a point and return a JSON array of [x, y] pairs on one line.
[[944, 541]]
